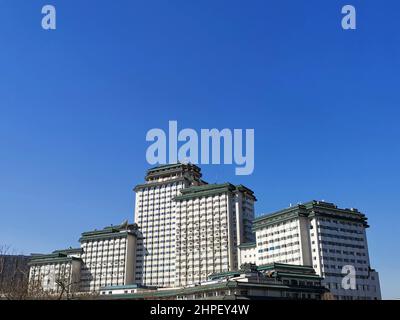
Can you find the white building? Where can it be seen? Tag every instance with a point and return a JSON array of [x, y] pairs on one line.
[[321, 235], [155, 214], [211, 221], [187, 229], [49, 272], [108, 257]]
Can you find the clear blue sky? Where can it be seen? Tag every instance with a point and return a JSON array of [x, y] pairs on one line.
[[76, 103]]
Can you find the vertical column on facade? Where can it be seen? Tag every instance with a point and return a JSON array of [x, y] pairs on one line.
[[230, 231]]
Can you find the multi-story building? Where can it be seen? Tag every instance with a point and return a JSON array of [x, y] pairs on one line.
[[187, 230], [155, 214], [108, 257], [57, 271], [321, 235], [211, 221]]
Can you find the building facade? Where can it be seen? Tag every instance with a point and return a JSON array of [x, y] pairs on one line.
[[186, 230], [55, 272], [108, 257], [155, 214], [211, 221], [321, 235]]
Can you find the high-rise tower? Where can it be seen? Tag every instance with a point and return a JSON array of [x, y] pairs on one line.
[[155, 215]]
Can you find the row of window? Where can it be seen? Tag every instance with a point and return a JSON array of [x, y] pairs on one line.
[[280, 254], [344, 260], [340, 267], [284, 238], [335, 236], [346, 223], [343, 252], [100, 243], [278, 247], [357, 231], [276, 232], [340, 244]]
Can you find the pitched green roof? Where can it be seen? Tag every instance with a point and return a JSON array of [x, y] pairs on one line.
[[280, 269], [211, 189], [69, 251], [51, 258], [247, 245], [172, 168], [310, 209], [164, 167], [173, 292], [110, 232]]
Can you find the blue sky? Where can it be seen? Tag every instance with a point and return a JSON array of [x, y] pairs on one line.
[[76, 104]]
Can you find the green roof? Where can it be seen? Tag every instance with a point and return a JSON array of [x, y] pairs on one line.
[[109, 235], [173, 292], [121, 287], [154, 294], [225, 274], [281, 269], [109, 232], [158, 183], [168, 169], [164, 167], [51, 258], [276, 265], [247, 245], [310, 209], [69, 251], [202, 191], [210, 189]]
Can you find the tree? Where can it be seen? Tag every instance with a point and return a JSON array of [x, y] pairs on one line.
[[15, 283], [14, 274]]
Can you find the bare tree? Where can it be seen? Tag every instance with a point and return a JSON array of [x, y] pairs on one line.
[[68, 291], [13, 275], [15, 283], [66, 287], [14, 278]]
